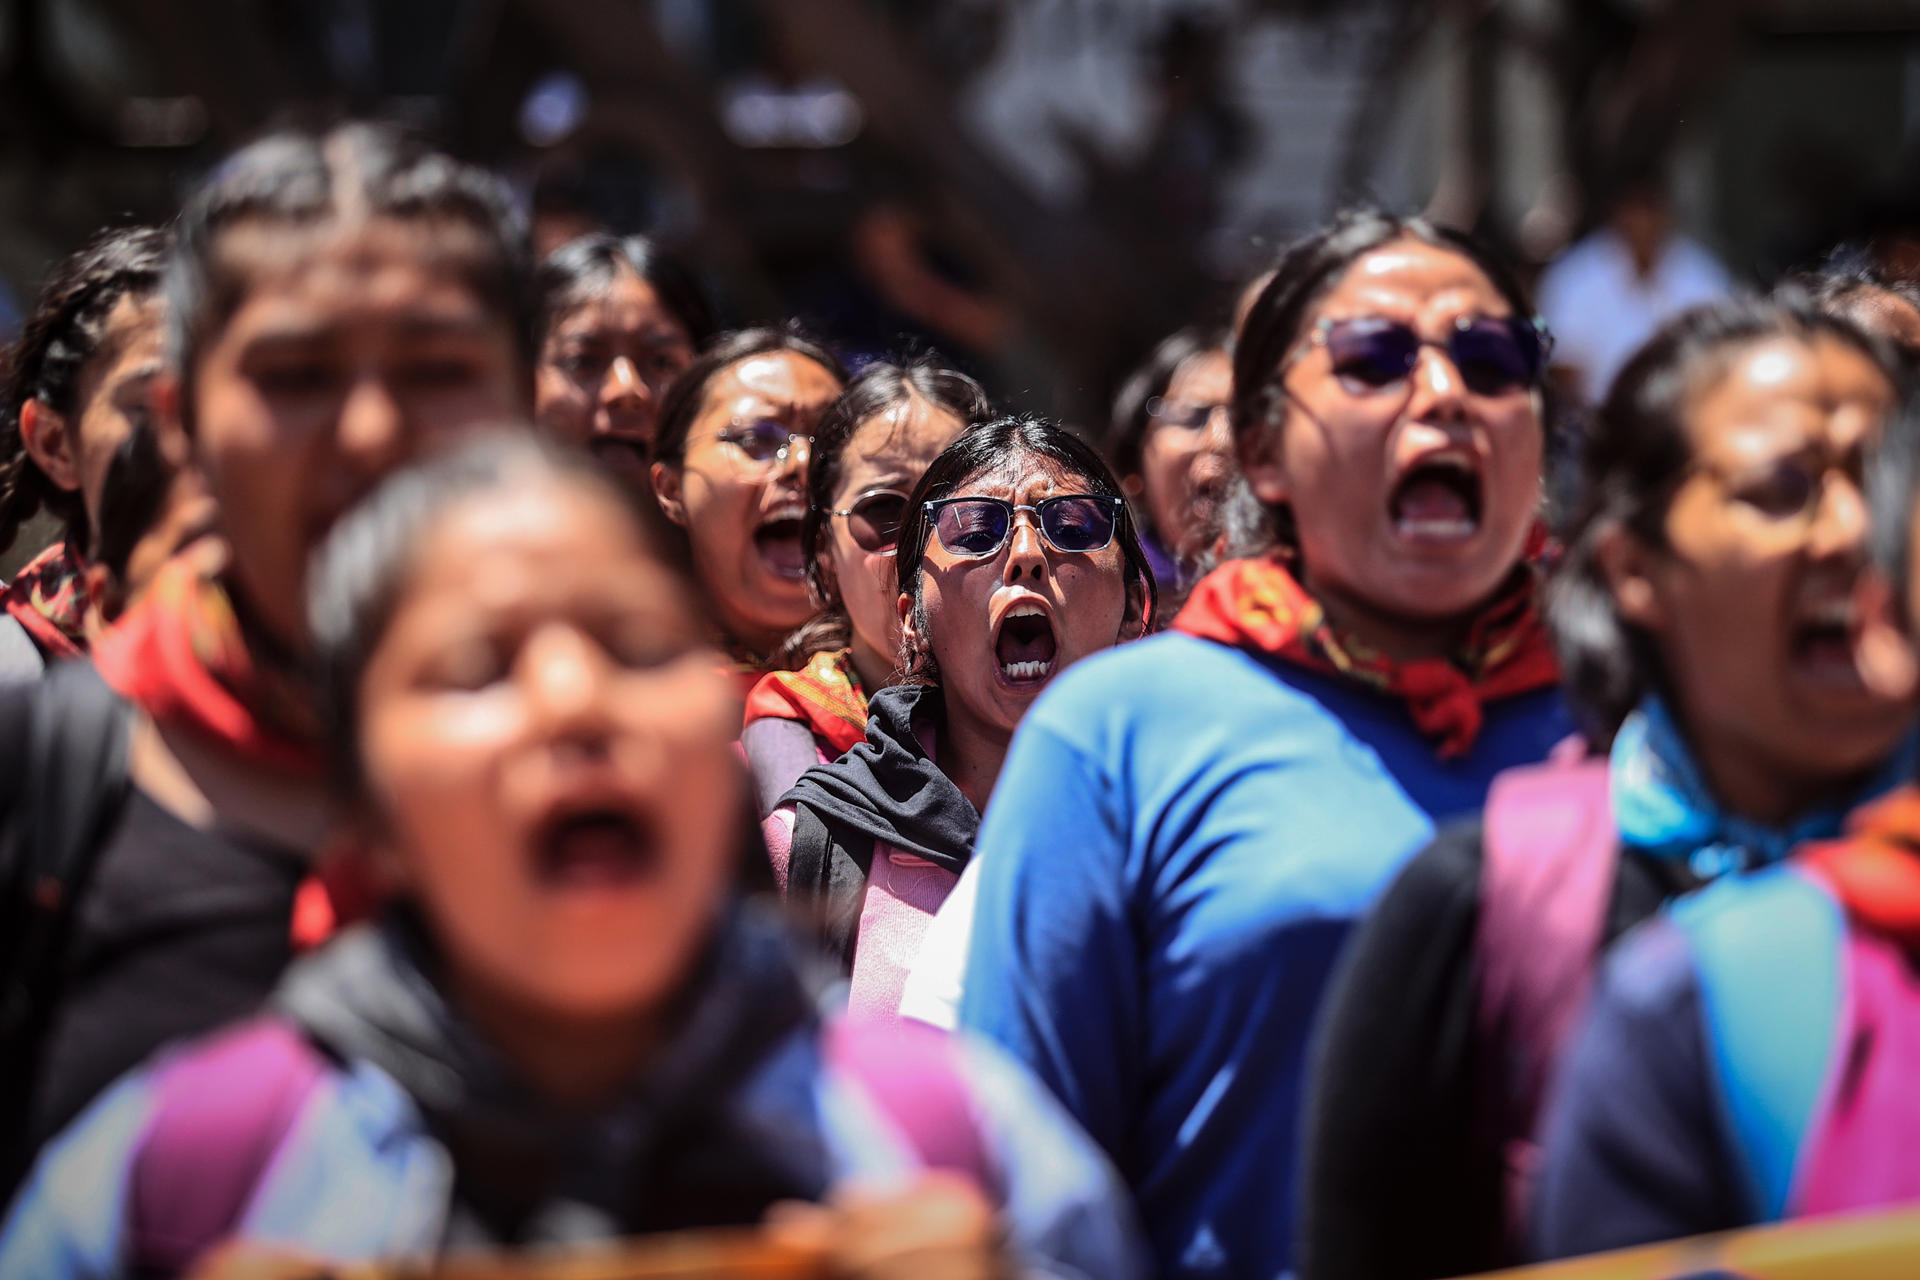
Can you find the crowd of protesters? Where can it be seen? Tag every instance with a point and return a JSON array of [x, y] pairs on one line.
[[492, 760]]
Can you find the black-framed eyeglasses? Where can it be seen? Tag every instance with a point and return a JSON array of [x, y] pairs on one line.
[[1072, 522], [1494, 354], [874, 520], [766, 443]]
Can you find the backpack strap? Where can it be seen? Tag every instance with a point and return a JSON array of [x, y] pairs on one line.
[[1550, 849], [913, 1072], [220, 1113], [1769, 952], [827, 869], [71, 787]]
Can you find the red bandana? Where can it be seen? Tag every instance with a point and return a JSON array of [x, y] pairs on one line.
[[1875, 869], [179, 654], [49, 599], [825, 695], [1257, 605]]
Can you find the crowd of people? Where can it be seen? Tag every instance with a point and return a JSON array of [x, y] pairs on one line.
[[492, 759]]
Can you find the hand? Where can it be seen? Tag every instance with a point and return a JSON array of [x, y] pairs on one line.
[[239, 1260], [940, 1228]]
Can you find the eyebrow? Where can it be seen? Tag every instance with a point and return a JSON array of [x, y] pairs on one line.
[[413, 327]]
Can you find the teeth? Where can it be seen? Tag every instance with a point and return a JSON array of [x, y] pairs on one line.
[[1024, 611], [1026, 670], [1839, 614], [1438, 528], [791, 511]]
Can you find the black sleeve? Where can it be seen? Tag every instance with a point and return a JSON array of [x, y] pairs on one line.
[[1395, 1184]]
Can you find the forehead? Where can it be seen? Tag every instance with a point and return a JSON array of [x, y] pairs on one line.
[[1408, 278], [626, 302], [909, 434], [1785, 392], [1022, 477], [775, 378], [1888, 315], [1203, 375], [500, 548], [132, 329], [364, 265]]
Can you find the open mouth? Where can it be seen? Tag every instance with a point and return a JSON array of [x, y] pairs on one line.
[[778, 541], [1437, 499], [594, 849], [1821, 645], [1025, 646]]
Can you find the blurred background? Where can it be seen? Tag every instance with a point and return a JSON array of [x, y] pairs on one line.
[[1040, 188]]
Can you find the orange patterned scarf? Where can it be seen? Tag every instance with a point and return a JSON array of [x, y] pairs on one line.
[[181, 656], [1875, 869], [49, 599], [1257, 605], [825, 695]]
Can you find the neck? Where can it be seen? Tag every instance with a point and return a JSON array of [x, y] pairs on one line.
[[971, 754], [576, 1062], [876, 671], [1750, 785], [1400, 639]]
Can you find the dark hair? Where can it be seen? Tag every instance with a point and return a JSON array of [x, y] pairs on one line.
[[688, 395], [1306, 271], [586, 268], [1636, 452], [64, 332], [982, 448], [879, 389], [1134, 403], [300, 179], [1846, 279], [132, 496], [360, 572]]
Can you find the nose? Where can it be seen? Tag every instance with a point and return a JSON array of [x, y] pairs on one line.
[[371, 433], [1438, 392], [1026, 553], [1840, 520], [1219, 435], [799, 451], [564, 676], [623, 387]]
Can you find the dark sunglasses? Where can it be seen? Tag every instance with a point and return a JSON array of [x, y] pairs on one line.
[[1494, 354], [1073, 522], [874, 520]]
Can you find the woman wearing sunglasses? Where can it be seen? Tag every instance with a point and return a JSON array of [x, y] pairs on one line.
[[873, 445], [1186, 829], [1017, 558], [1171, 443], [730, 469], [1702, 613]]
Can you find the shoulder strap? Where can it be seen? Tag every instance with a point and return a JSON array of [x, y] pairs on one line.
[[1550, 850], [1769, 950], [912, 1071], [827, 870], [72, 785], [220, 1113]]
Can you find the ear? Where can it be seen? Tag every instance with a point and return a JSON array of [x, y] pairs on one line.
[[170, 429], [667, 491], [49, 442], [1134, 486], [1262, 460], [1627, 565], [1134, 623]]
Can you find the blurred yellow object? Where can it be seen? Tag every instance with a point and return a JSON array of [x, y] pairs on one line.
[[1866, 1246]]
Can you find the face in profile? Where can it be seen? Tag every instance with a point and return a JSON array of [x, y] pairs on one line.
[[1409, 440], [547, 750], [740, 490], [353, 349], [1752, 598], [605, 365], [1008, 600]]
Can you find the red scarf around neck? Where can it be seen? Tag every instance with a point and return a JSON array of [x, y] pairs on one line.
[[1875, 868], [49, 598], [181, 656], [1257, 605], [825, 695]]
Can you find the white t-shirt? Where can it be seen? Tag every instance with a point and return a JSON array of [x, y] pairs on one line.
[[1601, 311]]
